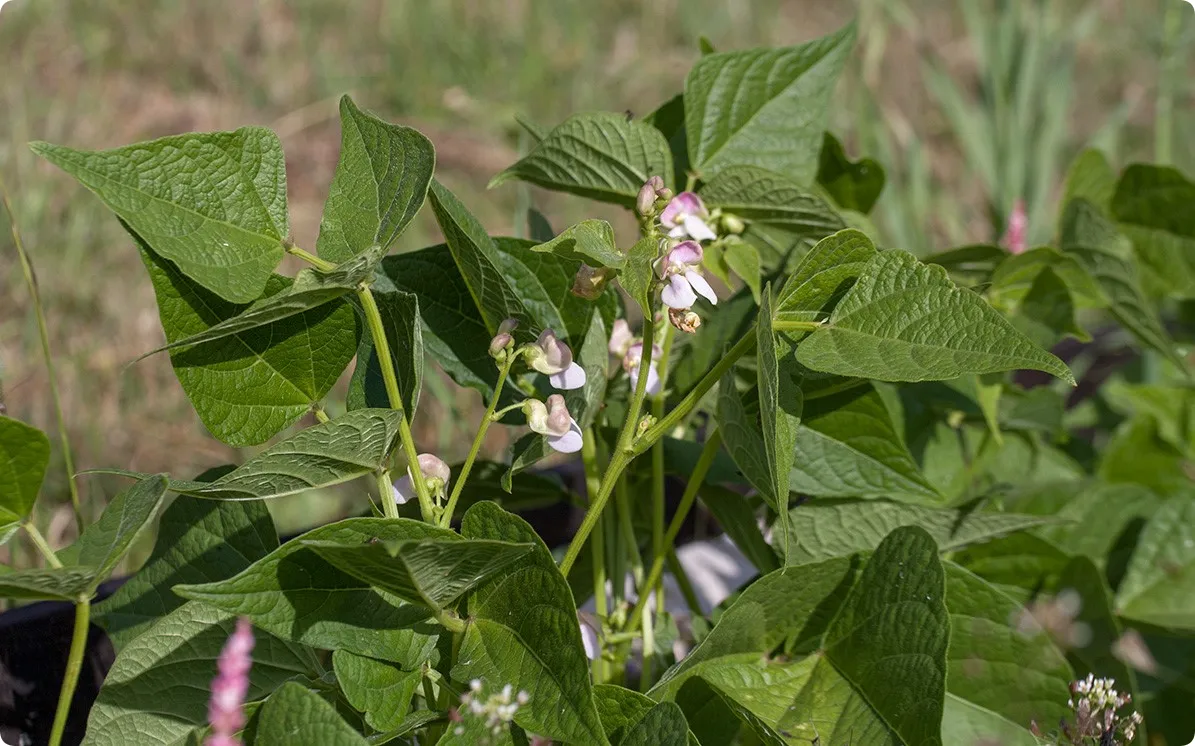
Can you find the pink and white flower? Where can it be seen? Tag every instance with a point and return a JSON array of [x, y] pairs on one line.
[[632, 360], [681, 268], [685, 217], [621, 338], [554, 422], [434, 470], [226, 709], [1016, 237], [554, 359], [500, 344]]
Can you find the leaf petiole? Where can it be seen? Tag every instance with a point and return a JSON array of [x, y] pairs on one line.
[[489, 417]]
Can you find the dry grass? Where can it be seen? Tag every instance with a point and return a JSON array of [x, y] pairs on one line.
[[97, 75]]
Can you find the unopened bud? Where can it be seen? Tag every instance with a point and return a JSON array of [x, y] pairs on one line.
[[732, 224], [500, 345], [684, 319], [645, 424], [645, 203], [590, 282]]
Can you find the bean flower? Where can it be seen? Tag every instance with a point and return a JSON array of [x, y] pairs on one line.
[[225, 711], [554, 359], [685, 216], [653, 189], [589, 636], [554, 422], [632, 360], [502, 341], [434, 470], [681, 269]]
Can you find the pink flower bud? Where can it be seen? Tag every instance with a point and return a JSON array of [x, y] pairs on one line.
[[646, 201], [508, 326], [1015, 238], [226, 708], [500, 344], [432, 467]]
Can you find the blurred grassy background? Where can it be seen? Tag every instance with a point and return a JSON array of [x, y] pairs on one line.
[[969, 104]]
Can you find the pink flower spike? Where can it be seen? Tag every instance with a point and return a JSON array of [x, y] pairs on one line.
[[226, 708], [1016, 238]]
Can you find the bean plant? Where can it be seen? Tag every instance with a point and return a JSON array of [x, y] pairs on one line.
[[944, 552]]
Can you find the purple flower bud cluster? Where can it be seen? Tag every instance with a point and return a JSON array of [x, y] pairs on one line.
[[226, 709]]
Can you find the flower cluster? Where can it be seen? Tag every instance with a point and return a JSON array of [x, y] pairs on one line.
[[629, 349], [686, 222], [1096, 705], [225, 710], [498, 709]]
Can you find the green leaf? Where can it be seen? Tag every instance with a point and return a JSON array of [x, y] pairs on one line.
[[379, 689], [380, 183], [906, 321], [296, 716], [733, 254], [1000, 662], [780, 405], [639, 275], [854, 185], [824, 275], [404, 336], [761, 196], [246, 388], [1047, 312], [434, 573], [1090, 238], [1092, 178], [1153, 206], [741, 426], [764, 107], [623, 713], [104, 543], [311, 289], [602, 156], [198, 541], [663, 725], [24, 456], [590, 241], [48, 584], [1014, 278], [213, 204], [966, 723], [296, 594], [352, 445], [827, 529], [593, 356], [526, 452], [848, 446], [669, 118], [157, 688], [1159, 586], [544, 282], [523, 630], [1136, 455]]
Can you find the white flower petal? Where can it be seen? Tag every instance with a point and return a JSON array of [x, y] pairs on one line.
[[696, 228], [589, 641], [653, 380], [678, 293], [570, 442], [404, 489], [698, 283], [677, 232], [572, 377]]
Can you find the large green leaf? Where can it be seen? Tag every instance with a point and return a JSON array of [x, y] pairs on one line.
[[1009, 668], [848, 446], [432, 572], [380, 689], [213, 204], [296, 716], [156, 693], [1092, 178], [663, 725], [523, 630], [590, 241], [543, 282], [759, 195], [104, 543], [350, 446], [1137, 455], [854, 185], [826, 529], [906, 321], [780, 405], [824, 275], [24, 455], [1047, 312], [380, 183], [296, 594], [602, 156], [624, 713], [249, 387], [1159, 586], [400, 316], [198, 541], [740, 423], [48, 584], [639, 276], [1015, 276], [1153, 206], [763, 107]]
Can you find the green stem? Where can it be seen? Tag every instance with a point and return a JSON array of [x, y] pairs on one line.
[[386, 493], [681, 410], [450, 621], [459, 486], [74, 664], [627, 529], [593, 481], [44, 334], [708, 452], [321, 264], [381, 346], [623, 453], [796, 326], [42, 545], [1164, 108], [658, 505]]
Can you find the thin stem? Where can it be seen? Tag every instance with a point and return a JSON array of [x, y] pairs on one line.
[[649, 650], [1164, 108], [450, 621], [678, 413], [74, 664], [781, 325], [44, 334], [386, 493], [42, 545], [627, 529], [708, 452], [320, 264], [623, 454], [486, 421], [593, 483], [381, 347], [658, 505]]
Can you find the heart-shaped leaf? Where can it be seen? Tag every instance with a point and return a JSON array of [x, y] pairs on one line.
[[24, 456], [297, 595], [213, 204], [906, 321], [762, 196], [434, 573], [380, 689], [380, 183], [602, 156], [854, 185], [296, 716], [763, 107], [824, 275], [639, 275], [590, 241]]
